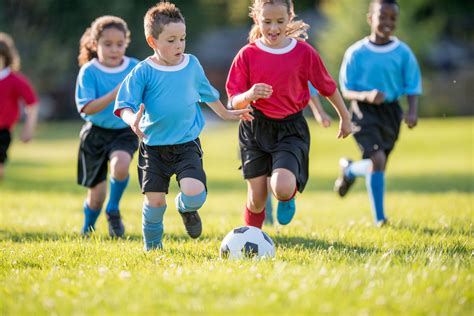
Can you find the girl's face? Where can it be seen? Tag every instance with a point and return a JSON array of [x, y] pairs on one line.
[[382, 20], [170, 45], [272, 21], [111, 47]]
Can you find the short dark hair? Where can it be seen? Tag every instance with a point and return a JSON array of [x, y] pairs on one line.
[[159, 15], [394, 2]]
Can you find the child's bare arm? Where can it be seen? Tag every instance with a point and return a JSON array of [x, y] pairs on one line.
[[225, 114], [319, 114], [258, 91], [30, 124], [133, 119], [373, 96], [411, 117], [101, 103], [344, 118]]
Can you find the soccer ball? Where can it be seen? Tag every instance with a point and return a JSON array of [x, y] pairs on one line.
[[247, 242]]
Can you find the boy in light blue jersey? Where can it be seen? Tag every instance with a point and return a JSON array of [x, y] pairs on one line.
[[375, 73], [159, 100], [105, 139]]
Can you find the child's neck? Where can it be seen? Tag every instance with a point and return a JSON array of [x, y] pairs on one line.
[[378, 40], [285, 42]]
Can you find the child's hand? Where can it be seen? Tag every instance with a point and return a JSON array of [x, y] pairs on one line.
[[239, 115], [258, 91], [136, 122], [324, 120], [411, 119], [26, 134], [375, 97], [345, 128]]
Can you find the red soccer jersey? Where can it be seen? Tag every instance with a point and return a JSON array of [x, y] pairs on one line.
[[287, 70], [14, 87]]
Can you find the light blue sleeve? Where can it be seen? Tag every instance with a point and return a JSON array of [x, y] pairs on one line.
[[207, 92], [130, 94], [412, 76], [85, 88], [312, 90], [348, 72]]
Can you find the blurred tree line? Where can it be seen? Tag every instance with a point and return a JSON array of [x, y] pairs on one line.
[[47, 32]]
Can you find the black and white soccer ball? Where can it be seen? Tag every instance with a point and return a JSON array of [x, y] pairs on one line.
[[247, 242]]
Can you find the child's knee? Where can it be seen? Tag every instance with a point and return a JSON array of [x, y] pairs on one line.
[[378, 159], [190, 203], [153, 214]]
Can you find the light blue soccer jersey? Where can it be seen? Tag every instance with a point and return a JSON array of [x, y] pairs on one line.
[[312, 90], [392, 69], [96, 80], [170, 94]]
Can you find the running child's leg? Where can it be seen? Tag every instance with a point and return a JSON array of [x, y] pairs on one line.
[[283, 183], [269, 205], [375, 183], [118, 181], [256, 199], [92, 206], [154, 207], [191, 198]]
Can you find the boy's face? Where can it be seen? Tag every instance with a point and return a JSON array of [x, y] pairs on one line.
[[272, 21], [170, 45], [111, 47], [383, 19]]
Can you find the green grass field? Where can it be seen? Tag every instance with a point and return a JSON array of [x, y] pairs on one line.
[[330, 259]]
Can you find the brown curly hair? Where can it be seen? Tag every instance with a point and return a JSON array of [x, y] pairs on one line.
[[158, 16], [9, 52], [87, 46]]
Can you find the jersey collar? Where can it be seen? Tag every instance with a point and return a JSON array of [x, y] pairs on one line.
[[4, 73], [277, 51], [382, 48], [177, 67], [112, 70]]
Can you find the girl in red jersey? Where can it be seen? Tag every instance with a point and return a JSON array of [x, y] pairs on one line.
[[271, 74], [14, 87]]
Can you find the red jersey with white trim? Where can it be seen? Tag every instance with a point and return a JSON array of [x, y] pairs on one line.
[[287, 70], [14, 87]]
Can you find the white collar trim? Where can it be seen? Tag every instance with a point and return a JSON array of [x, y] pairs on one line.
[[382, 48], [277, 51], [5, 72], [112, 70], [177, 67]]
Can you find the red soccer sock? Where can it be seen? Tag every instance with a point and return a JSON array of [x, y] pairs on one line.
[[254, 219]]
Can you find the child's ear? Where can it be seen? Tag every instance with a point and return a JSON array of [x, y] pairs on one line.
[[151, 41], [369, 18]]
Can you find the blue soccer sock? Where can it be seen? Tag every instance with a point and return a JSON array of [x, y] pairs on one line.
[[190, 203], [90, 218], [360, 168], [117, 187], [375, 183], [269, 209], [152, 226]]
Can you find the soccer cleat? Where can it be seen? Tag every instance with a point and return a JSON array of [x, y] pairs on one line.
[[382, 223], [116, 228], [286, 211], [344, 182], [192, 222], [86, 231]]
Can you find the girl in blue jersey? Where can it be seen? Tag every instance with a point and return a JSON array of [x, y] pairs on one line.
[[159, 100], [375, 73], [104, 138]]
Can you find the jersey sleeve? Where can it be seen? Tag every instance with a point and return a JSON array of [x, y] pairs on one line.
[[412, 75], [348, 72], [207, 93], [130, 94], [238, 80], [26, 92], [319, 76], [86, 91], [312, 90]]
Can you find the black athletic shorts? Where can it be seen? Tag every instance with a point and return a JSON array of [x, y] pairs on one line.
[[97, 144], [5, 139], [267, 144], [157, 164], [376, 127]]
